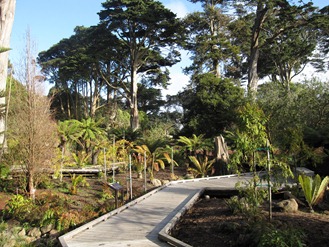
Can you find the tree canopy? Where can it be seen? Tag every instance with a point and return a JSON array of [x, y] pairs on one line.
[[119, 67]]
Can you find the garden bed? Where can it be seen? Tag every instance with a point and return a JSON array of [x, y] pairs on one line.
[[210, 222]]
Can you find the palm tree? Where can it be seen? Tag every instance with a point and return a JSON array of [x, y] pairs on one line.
[[67, 131], [90, 134], [86, 133], [194, 146], [194, 143]]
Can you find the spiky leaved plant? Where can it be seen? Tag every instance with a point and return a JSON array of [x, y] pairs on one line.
[[313, 189], [201, 166]]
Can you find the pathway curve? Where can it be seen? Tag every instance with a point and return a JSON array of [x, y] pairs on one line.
[[138, 223]]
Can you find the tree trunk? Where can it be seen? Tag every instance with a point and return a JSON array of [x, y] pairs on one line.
[[134, 118], [254, 49], [30, 184], [94, 157], [7, 13], [94, 98], [112, 105]]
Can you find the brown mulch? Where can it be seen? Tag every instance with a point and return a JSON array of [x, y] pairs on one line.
[[211, 223], [208, 222]]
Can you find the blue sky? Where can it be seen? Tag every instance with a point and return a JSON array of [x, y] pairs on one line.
[[49, 21]]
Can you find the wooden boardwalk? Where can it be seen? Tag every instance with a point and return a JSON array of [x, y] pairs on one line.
[[138, 223]]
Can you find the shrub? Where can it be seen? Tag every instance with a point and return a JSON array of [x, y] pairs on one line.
[[236, 205], [77, 181], [201, 166], [4, 171], [3, 226], [286, 236], [251, 197], [18, 207], [67, 220]]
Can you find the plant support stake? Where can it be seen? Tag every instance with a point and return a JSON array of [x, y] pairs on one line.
[[130, 179], [105, 175], [269, 180], [172, 160], [145, 171]]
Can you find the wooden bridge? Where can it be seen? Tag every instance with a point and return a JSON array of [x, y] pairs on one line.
[[86, 171], [147, 220]]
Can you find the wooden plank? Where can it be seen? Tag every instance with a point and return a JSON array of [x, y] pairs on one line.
[[140, 221]]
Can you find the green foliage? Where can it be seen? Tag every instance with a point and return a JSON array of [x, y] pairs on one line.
[[64, 188], [168, 157], [201, 166], [255, 196], [280, 171], [154, 160], [304, 114], [4, 240], [172, 158], [313, 189], [46, 182], [237, 205], [4, 170], [248, 137], [77, 181], [257, 231], [81, 159], [288, 53], [271, 236], [18, 207], [150, 99], [67, 131], [51, 207], [68, 219], [156, 134], [3, 49], [106, 194], [194, 143], [3, 226], [148, 22], [49, 217], [250, 198], [208, 39], [86, 134], [91, 130], [210, 106], [126, 133]]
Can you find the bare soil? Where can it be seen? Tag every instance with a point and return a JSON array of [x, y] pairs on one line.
[[97, 197], [90, 202], [211, 223], [207, 223]]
